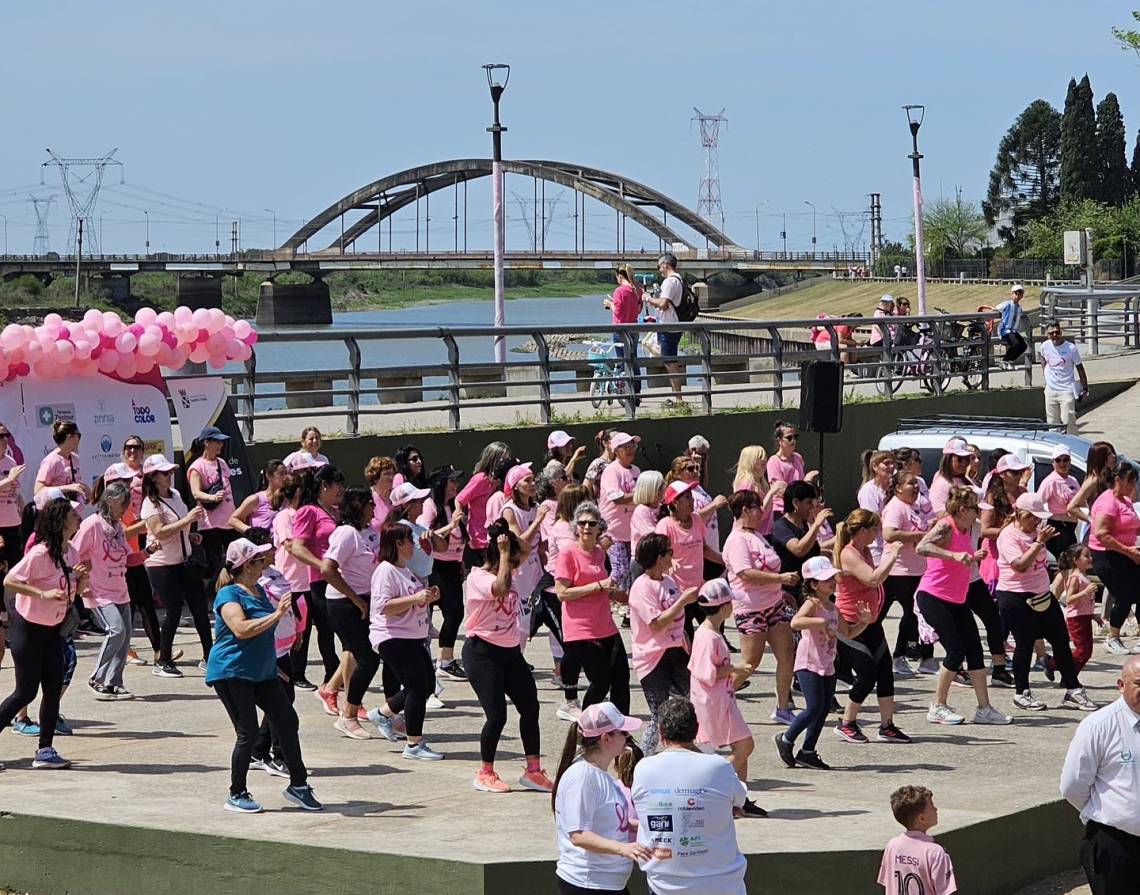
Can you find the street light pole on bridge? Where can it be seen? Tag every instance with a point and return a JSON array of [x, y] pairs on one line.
[[494, 70], [914, 116], [806, 202]]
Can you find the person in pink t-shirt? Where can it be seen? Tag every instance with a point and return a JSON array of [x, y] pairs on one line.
[[444, 518], [686, 533], [646, 503], [657, 621], [209, 478], [45, 582], [752, 475], [1058, 489], [913, 862], [615, 497], [101, 544], [380, 474], [1072, 587], [473, 498], [1116, 557], [60, 468], [288, 497], [951, 473], [786, 465], [905, 523]]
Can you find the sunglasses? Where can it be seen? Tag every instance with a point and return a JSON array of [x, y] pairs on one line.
[[132, 447], [5, 435], [790, 437], [587, 523], [690, 469]]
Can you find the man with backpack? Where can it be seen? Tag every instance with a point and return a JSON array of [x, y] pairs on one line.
[[674, 303]]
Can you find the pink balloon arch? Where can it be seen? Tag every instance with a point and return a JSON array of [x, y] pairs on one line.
[[102, 342]]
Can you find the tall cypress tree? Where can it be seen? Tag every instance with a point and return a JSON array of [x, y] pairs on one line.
[[1111, 148], [1080, 165], [1134, 186]]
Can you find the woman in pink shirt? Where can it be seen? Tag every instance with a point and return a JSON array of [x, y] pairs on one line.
[[615, 497], [905, 523], [495, 664], [951, 472], [950, 553], [60, 468], [45, 582], [101, 544], [398, 626], [444, 518], [524, 516], [314, 523], [1058, 489], [686, 533], [646, 502], [1116, 558], [11, 503], [209, 478], [1028, 606], [786, 465], [752, 475], [878, 469], [473, 499], [380, 474], [861, 584], [288, 498], [657, 622], [761, 612], [589, 634]]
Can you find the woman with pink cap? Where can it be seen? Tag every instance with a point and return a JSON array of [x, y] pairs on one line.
[[524, 516], [713, 680], [615, 497], [564, 447], [596, 827], [951, 473], [1028, 605], [686, 533], [1058, 489]]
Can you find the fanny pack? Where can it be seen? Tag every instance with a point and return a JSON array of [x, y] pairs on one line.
[[1040, 602]]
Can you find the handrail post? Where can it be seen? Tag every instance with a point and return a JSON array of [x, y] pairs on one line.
[[777, 368], [1094, 310], [1030, 351], [543, 350], [987, 355], [452, 380], [250, 390], [629, 350], [706, 371], [353, 386], [888, 344], [936, 336]]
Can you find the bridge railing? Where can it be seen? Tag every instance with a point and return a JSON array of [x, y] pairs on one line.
[[444, 377], [1103, 319]]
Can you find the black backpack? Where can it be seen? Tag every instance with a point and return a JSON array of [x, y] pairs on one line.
[[688, 308]]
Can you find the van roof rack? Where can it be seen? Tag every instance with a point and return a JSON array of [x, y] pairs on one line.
[[948, 420]]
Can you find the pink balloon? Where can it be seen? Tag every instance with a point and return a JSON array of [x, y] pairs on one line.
[[164, 355], [93, 319], [200, 354], [126, 343], [166, 318], [217, 320], [242, 329], [182, 315], [64, 332], [41, 369], [53, 320], [178, 359], [136, 329], [82, 348], [96, 350], [148, 345], [112, 325], [23, 369], [170, 339], [187, 334], [203, 335], [65, 352], [216, 361], [127, 367], [216, 344], [201, 317], [251, 339], [145, 365], [12, 337], [244, 352], [108, 360], [145, 316], [34, 351], [227, 333]]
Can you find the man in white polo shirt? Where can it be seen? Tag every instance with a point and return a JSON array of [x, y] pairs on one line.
[[1061, 362], [1101, 780]]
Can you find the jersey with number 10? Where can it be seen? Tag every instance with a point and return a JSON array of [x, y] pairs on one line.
[[914, 864]]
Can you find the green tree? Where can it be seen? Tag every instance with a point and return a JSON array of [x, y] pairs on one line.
[[1080, 164], [1024, 182], [1134, 186], [1128, 38], [954, 228], [1111, 148]]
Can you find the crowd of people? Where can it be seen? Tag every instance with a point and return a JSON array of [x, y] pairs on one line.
[[584, 550]]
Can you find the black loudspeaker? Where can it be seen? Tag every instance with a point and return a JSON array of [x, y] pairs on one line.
[[821, 396]]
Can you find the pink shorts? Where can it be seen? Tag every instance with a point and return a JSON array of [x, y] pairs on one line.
[[761, 620]]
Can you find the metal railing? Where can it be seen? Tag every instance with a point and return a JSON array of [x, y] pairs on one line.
[[1107, 317], [443, 371]]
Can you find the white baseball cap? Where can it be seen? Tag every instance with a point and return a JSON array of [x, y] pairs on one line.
[[157, 463], [242, 551], [1031, 503], [1016, 287], [1060, 450], [715, 593], [47, 495], [818, 568], [558, 438], [887, 297], [406, 492], [118, 472], [604, 717]]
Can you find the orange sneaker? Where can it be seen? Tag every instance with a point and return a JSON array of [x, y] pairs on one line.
[[362, 714], [489, 781], [536, 780], [329, 701]]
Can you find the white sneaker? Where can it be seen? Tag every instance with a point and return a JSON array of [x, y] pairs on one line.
[[568, 711], [1116, 647], [989, 715], [421, 751], [1080, 699], [351, 728], [1026, 700], [943, 714], [903, 667], [929, 666], [434, 702]]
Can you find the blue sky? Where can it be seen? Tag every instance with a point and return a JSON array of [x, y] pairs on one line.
[[252, 105]]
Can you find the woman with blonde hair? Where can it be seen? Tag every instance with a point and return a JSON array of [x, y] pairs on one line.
[[861, 587], [752, 475]]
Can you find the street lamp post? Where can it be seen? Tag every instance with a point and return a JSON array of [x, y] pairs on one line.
[[758, 207], [494, 71], [147, 215], [806, 202], [274, 213], [784, 234], [914, 116]]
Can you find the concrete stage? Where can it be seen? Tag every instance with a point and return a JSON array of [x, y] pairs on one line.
[[142, 809]]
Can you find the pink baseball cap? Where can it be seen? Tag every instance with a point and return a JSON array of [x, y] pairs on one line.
[[604, 717], [516, 475], [118, 472], [242, 551], [617, 439], [1031, 503], [819, 568], [157, 463], [558, 438], [957, 447], [675, 490], [406, 492], [1011, 463], [305, 460], [715, 593], [1060, 450], [47, 495]]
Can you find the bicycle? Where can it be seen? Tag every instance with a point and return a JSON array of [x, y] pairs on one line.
[[608, 382], [919, 357]]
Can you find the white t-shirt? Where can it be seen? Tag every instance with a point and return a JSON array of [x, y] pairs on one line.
[[684, 803], [355, 554], [1060, 366], [174, 548], [590, 800], [673, 289]]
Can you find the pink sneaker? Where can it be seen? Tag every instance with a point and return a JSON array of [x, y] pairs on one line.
[[489, 781], [350, 727], [329, 701], [361, 714], [536, 780]]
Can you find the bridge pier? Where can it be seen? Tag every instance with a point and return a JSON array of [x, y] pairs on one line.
[[293, 304], [198, 292], [712, 294]]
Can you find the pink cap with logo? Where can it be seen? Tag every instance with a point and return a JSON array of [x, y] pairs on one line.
[[957, 447], [676, 489], [819, 568], [1011, 463], [604, 717], [242, 551], [558, 438]]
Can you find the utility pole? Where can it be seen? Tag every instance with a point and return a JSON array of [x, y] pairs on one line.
[[806, 202], [784, 234], [494, 71], [78, 257], [217, 241], [82, 204], [41, 245], [274, 213], [5, 233], [147, 243], [758, 207], [876, 228], [708, 193]]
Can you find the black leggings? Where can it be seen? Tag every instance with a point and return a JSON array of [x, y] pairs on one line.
[[268, 743], [1028, 625], [1121, 577], [174, 586], [214, 543], [669, 677], [606, 667], [957, 631], [549, 612], [1015, 346], [985, 607], [565, 888], [37, 653], [900, 589], [497, 673], [870, 659], [1065, 537], [242, 699], [410, 662], [447, 575], [142, 602], [352, 629], [326, 642]]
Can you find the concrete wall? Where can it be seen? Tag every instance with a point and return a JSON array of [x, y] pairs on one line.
[[294, 304], [664, 438]]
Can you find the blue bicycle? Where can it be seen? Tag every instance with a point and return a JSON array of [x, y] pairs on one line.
[[608, 382]]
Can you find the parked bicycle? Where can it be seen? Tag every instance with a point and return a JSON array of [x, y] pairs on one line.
[[958, 350], [608, 382]]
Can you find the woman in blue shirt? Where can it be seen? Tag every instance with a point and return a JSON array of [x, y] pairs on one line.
[[242, 669]]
